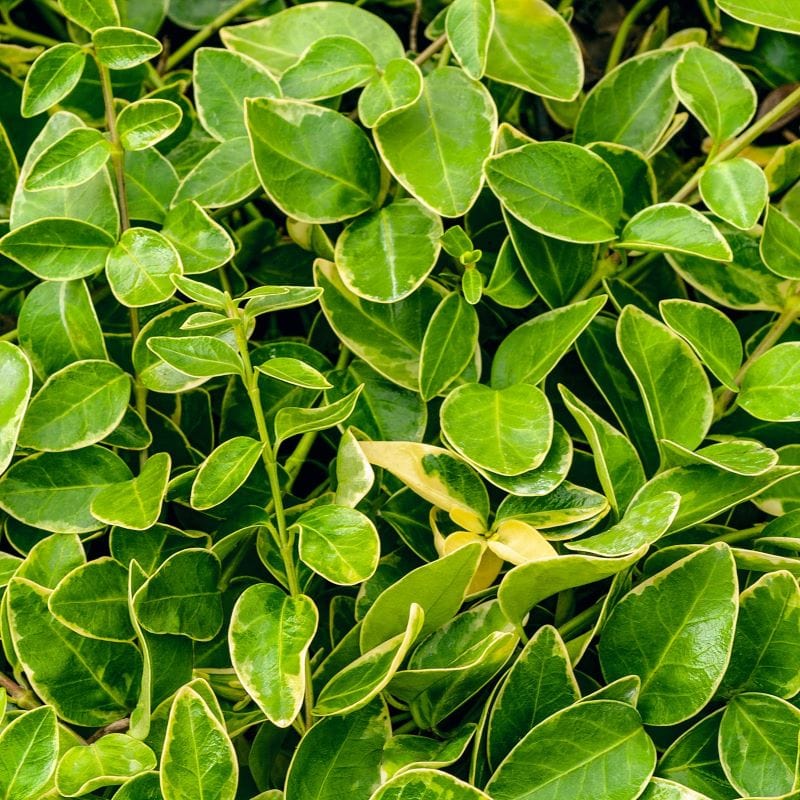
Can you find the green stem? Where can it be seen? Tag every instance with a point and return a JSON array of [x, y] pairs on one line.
[[207, 31], [9, 336], [620, 40], [734, 537], [434, 47], [637, 266], [580, 622], [784, 321], [735, 146], [19, 695], [605, 268], [12, 31]]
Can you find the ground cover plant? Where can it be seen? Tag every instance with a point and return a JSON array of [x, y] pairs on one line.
[[399, 402]]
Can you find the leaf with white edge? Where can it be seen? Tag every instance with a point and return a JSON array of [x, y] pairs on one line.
[[660, 789], [331, 66], [675, 228], [766, 647], [315, 164], [367, 676], [110, 761], [469, 25], [780, 243], [598, 748], [58, 249], [565, 505], [715, 90], [776, 15], [735, 190], [91, 14], [147, 122], [70, 161], [16, 378], [124, 48], [53, 75], [507, 431], [397, 88], [341, 544], [436, 146], [652, 627], [294, 421], [222, 81], [673, 384], [135, 504], [739, 456], [203, 293], [634, 173], [224, 471], [182, 596], [532, 47], [198, 761], [294, 372], [385, 255], [558, 189], [427, 784], [771, 386], [711, 335], [269, 636], [202, 243], [644, 102], [200, 356], [28, 754], [759, 744]]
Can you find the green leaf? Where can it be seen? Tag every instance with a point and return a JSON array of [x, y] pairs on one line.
[[92, 600], [202, 243], [758, 744], [341, 544], [198, 761], [109, 761], [771, 385], [672, 382], [365, 677], [715, 90], [315, 164], [772, 14], [405, 751], [277, 298], [385, 95], [89, 682], [222, 81], [674, 227], [711, 335], [742, 457], [427, 784], [735, 190], [53, 75], [386, 255], [558, 189], [598, 747], [294, 421], [779, 243], [651, 630], [533, 48], [634, 173], [533, 349], [543, 676], [438, 588], [329, 67], [435, 147], [200, 356], [224, 471], [448, 346], [565, 505], [279, 40], [269, 637], [124, 48], [70, 161], [507, 431], [77, 406], [766, 655], [182, 596], [469, 25], [28, 754], [150, 184], [145, 123], [58, 249], [354, 743], [91, 14], [51, 559], [135, 504], [659, 789], [16, 377], [295, 372], [644, 102], [53, 491]]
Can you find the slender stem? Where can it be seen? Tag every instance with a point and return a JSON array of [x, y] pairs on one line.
[[739, 536], [207, 31], [13, 31], [623, 32], [604, 269], [580, 622], [434, 47], [735, 146], [118, 726], [10, 336], [18, 695], [779, 327]]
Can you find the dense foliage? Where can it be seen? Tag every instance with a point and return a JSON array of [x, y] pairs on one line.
[[399, 401]]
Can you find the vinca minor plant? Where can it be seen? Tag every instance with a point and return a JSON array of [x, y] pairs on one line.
[[399, 401]]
